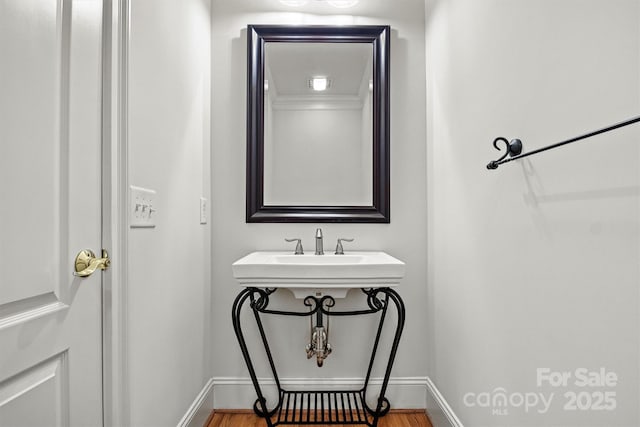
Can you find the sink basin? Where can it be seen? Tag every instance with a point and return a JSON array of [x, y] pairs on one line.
[[311, 274]]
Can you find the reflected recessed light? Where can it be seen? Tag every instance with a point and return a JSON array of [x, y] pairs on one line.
[[319, 83], [294, 3], [266, 85], [343, 4]]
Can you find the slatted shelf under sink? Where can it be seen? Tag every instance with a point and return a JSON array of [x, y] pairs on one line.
[[322, 407]]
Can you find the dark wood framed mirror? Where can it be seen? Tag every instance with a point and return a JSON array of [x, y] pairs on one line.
[[318, 124]]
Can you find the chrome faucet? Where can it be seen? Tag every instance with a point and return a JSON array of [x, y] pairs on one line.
[[319, 250], [339, 248], [299, 250]]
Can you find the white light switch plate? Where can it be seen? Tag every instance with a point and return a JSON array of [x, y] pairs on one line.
[[142, 207], [203, 210]]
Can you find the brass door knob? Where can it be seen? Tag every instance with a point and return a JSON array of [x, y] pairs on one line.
[[86, 263]]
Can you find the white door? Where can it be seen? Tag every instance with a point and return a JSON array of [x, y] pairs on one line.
[[50, 209]]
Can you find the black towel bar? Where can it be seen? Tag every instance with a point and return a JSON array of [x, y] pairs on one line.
[[514, 147]]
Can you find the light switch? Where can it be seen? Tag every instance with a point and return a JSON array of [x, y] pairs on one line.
[[203, 210], [142, 207]]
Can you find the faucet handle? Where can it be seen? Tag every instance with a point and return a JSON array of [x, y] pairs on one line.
[[299, 250], [339, 248]]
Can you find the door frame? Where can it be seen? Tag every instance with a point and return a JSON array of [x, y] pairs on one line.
[[115, 62]]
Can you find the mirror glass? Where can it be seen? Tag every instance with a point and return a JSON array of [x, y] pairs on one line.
[[318, 124]]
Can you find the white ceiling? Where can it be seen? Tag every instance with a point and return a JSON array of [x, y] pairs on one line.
[[289, 66]]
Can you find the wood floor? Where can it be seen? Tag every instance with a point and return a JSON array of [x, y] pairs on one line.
[[397, 418]]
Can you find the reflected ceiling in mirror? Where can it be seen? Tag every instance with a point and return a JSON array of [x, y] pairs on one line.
[[318, 124]]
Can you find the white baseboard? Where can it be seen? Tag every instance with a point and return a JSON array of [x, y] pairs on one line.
[[440, 413], [238, 392], [200, 410]]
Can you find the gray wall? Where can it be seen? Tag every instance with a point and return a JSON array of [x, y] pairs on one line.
[[534, 265], [404, 238], [169, 338]]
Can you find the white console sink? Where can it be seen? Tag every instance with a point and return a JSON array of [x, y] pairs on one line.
[[317, 275]]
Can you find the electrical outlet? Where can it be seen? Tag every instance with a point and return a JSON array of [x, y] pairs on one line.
[[142, 207], [203, 210]]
